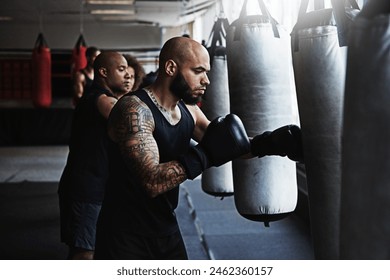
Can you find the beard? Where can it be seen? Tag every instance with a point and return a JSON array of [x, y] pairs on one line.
[[181, 89]]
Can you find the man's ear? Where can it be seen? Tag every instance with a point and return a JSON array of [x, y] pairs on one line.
[[103, 72], [170, 67]]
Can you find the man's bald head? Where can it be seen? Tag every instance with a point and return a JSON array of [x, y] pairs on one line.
[[110, 72], [179, 49], [106, 59]]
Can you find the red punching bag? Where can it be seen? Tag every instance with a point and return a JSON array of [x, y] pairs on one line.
[[79, 61], [41, 73]]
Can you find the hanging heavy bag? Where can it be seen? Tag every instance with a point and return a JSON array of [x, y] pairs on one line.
[[79, 61], [41, 74], [217, 181], [261, 87], [319, 59], [365, 195]]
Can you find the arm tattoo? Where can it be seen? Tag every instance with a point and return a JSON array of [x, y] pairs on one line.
[[131, 126]]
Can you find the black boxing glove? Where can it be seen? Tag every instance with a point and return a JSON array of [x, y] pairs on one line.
[[284, 141], [195, 161], [224, 140]]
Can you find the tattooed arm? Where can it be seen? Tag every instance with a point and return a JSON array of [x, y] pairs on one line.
[[131, 126]]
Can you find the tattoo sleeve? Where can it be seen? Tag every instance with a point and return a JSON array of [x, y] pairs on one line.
[[131, 126]]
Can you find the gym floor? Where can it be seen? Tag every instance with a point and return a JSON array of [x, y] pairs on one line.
[[212, 228]]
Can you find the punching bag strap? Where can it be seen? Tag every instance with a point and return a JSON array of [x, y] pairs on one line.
[[273, 22], [40, 43], [265, 13], [341, 21], [240, 22], [80, 43], [354, 4], [301, 13], [303, 8], [220, 28], [340, 16], [217, 33], [318, 4], [211, 33]]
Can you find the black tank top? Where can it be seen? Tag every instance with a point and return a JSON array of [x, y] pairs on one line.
[[126, 204], [86, 171]]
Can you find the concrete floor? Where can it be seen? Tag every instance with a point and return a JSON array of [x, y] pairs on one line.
[[211, 227]]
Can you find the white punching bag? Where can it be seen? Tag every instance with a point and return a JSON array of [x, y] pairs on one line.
[[365, 196], [262, 94], [217, 181], [319, 68]]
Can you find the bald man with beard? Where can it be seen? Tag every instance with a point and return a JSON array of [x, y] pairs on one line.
[[82, 184], [150, 155]]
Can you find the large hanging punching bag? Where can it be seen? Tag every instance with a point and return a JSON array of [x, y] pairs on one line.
[[319, 60], [261, 87], [365, 196], [217, 181], [79, 61], [41, 73]]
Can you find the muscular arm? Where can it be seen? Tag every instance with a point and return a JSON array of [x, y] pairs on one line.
[[78, 85], [131, 126], [201, 121], [105, 104]]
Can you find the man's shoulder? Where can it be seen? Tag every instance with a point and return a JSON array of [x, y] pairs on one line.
[[139, 92], [79, 75], [137, 95], [132, 101]]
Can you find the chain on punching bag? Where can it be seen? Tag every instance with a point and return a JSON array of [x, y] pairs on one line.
[[365, 196], [261, 87], [79, 61], [319, 60], [218, 181], [41, 73]]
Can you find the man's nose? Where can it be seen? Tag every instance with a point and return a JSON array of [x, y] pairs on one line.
[[205, 80]]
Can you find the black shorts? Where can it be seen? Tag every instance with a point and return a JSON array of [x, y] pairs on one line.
[[126, 245], [78, 223]]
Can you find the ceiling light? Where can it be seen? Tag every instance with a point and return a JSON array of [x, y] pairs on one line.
[[108, 2], [117, 18], [113, 12]]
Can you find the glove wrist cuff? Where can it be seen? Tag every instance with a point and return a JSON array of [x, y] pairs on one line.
[[260, 145], [194, 162]]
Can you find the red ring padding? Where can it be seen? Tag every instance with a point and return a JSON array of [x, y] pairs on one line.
[[41, 74]]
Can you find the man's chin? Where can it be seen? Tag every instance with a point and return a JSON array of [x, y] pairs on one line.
[[192, 101]]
